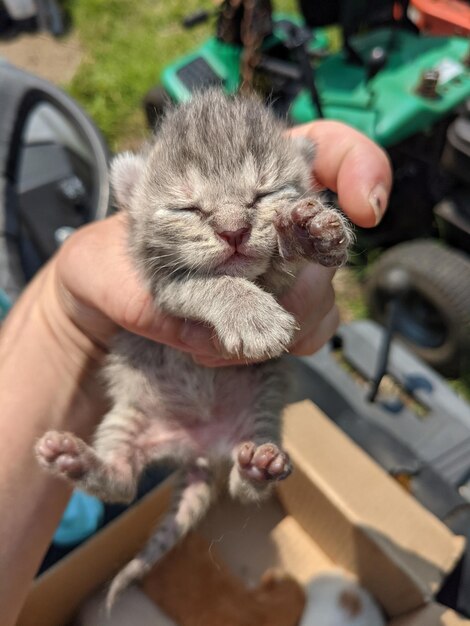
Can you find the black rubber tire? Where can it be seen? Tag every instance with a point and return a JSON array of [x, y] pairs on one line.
[[439, 293], [155, 103]]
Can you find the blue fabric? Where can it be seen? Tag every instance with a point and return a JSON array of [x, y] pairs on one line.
[[81, 518], [5, 304]]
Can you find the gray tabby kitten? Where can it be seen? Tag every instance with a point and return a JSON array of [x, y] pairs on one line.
[[221, 217]]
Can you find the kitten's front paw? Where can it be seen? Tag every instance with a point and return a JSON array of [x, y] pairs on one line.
[[263, 463], [64, 454], [314, 231], [258, 332]]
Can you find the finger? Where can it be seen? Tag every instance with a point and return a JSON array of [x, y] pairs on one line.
[[324, 332], [352, 165], [102, 291], [310, 298]]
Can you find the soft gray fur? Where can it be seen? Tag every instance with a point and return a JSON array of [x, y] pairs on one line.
[[221, 218]]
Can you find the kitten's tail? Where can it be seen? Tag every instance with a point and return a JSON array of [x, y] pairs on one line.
[[192, 498]]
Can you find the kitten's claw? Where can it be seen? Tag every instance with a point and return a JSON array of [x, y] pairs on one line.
[[314, 231], [63, 454], [263, 463]]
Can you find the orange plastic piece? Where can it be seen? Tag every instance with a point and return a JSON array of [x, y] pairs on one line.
[[442, 17]]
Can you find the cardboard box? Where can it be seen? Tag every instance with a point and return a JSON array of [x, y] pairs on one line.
[[337, 509]]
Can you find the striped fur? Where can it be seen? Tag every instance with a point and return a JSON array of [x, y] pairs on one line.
[[218, 165]]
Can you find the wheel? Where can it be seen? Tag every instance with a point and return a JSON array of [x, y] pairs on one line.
[[434, 318], [155, 103]]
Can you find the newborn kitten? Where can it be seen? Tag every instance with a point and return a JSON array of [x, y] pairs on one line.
[[221, 218], [335, 600]]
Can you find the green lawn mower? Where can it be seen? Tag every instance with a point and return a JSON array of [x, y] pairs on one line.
[[408, 92]]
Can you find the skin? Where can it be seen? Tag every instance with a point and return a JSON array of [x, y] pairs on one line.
[[54, 340]]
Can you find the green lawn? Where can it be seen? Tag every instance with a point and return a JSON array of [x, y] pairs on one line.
[[126, 46]]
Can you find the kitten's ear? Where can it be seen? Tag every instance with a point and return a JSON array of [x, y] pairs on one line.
[[306, 148], [126, 170]]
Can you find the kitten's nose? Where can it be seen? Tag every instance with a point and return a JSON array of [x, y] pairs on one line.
[[235, 237]]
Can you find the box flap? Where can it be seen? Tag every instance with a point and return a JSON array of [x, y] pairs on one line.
[[297, 554], [431, 615], [251, 539], [56, 595], [361, 517]]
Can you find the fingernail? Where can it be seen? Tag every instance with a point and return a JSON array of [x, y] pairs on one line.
[[197, 338], [378, 200]]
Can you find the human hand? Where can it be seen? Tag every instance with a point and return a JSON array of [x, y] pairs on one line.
[[100, 290], [53, 342]]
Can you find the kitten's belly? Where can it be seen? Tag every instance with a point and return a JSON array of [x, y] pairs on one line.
[[213, 419], [193, 410]]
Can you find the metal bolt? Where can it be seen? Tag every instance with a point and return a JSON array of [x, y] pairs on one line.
[[428, 85], [466, 59]]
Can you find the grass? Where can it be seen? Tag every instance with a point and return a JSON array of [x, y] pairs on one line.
[[462, 385], [126, 46]]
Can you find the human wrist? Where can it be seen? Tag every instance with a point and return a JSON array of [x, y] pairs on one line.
[[73, 344], [44, 354]]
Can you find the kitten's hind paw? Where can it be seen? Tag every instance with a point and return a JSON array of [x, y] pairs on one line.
[[256, 469], [314, 231], [263, 463], [64, 454]]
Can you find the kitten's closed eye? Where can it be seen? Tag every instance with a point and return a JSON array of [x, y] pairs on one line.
[[271, 192], [259, 196], [192, 209], [188, 209]]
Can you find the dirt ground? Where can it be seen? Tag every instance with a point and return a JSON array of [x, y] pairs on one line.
[[53, 59]]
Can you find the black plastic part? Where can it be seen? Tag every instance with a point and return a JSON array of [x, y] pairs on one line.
[[398, 285], [355, 16], [376, 61], [456, 155], [296, 40], [279, 67], [453, 216], [155, 102], [394, 311], [196, 18], [320, 13], [45, 206], [198, 74], [50, 17], [419, 182], [9, 28]]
